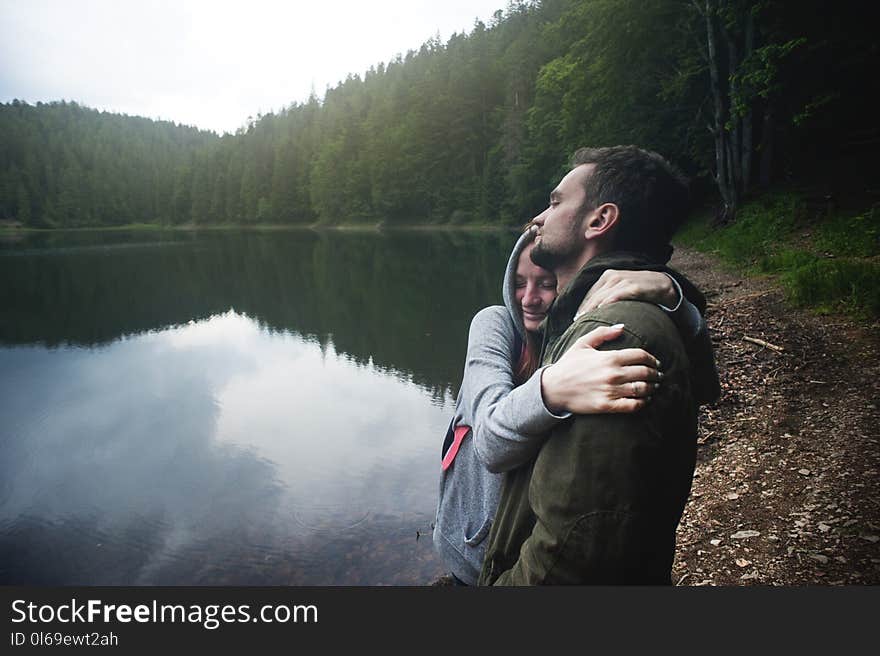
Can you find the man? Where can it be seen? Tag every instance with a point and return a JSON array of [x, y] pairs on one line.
[[601, 501]]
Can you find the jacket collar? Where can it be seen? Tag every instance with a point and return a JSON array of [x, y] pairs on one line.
[[562, 311]]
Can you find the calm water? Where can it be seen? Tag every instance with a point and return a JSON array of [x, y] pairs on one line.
[[231, 407]]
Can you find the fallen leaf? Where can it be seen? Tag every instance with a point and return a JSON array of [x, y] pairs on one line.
[[742, 562]]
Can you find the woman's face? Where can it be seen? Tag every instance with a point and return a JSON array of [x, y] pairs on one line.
[[535, 290]]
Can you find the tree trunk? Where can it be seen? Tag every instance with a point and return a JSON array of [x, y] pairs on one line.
[[766, 170], [722, 174], [731, 149], [735, 155], [747, 117]]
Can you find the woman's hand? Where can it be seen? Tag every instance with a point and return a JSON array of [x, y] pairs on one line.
[[586, 381], [652, 286]]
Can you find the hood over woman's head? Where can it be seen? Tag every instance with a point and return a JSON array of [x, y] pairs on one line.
[[528, 289]]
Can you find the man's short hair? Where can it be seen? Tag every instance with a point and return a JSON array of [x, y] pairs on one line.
[[651, 193]]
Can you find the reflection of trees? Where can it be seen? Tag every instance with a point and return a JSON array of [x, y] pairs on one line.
[[402, 300]]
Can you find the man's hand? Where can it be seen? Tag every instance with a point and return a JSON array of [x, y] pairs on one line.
[[587, 381], [652, 286]]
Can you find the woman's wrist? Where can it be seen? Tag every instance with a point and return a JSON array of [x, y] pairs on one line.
[[674, 296], [551, 391]]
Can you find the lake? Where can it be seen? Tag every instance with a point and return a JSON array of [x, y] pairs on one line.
[[230, 407]]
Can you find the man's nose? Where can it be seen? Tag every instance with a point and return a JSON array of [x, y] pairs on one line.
[[539, 220]]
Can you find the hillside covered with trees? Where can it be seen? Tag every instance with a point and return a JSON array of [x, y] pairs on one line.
[[742, 94]]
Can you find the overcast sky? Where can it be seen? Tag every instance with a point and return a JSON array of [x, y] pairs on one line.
[[209, 63]]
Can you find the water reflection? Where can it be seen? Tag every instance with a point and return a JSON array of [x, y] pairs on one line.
[[153, 435]]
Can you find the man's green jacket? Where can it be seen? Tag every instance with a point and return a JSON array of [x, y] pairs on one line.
[[601, 501]]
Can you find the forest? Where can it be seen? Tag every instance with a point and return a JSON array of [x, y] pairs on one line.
[[743, 95]]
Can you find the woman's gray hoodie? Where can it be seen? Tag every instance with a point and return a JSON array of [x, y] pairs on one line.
[[508, 424]]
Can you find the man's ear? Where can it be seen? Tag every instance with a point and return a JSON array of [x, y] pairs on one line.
[[601, 221]]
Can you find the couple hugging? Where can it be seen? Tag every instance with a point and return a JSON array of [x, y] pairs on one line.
[[570, 456]]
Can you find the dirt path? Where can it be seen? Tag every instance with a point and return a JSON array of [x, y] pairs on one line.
[[786, 487]]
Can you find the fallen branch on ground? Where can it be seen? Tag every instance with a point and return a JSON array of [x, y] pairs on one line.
[[761, 342]]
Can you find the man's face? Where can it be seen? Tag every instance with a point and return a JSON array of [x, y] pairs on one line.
[[560, 236]]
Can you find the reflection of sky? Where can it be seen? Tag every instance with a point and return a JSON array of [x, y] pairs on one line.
[[213, 433]]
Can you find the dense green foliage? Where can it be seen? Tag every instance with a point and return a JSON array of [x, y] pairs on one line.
[[826, 257], [477, 129], [65, 165]]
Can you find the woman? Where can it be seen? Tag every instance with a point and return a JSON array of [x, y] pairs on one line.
[[507, 403]]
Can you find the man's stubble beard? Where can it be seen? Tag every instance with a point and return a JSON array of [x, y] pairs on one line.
[[553, 257], [545, 258]]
